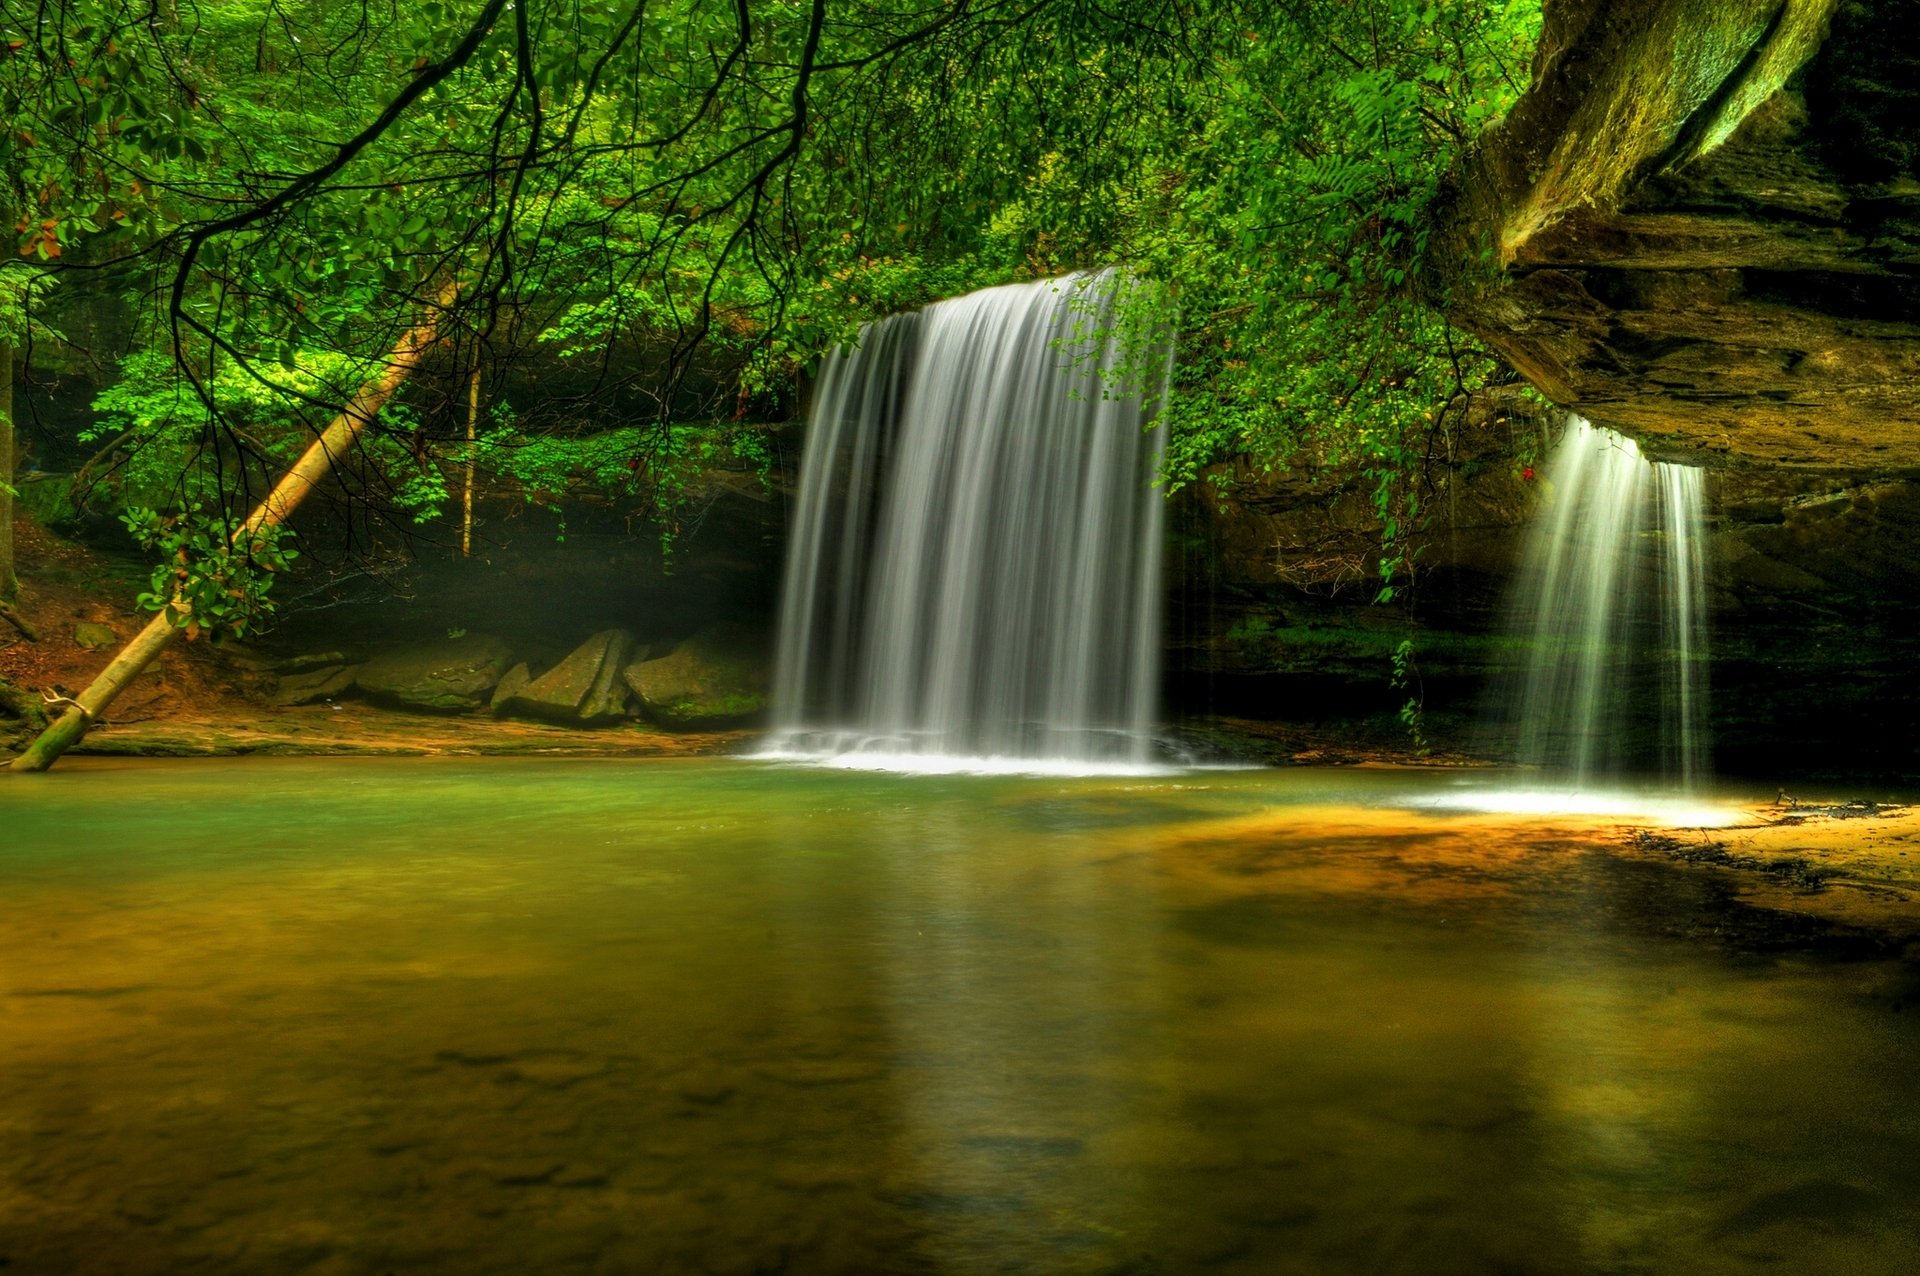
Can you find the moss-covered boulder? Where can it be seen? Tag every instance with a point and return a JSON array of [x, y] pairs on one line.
[[511, 684], [21, 716], [47, 498], [447, 673], [717, 678], [311, 686], [309, 660], [93, 636], [584, 688]]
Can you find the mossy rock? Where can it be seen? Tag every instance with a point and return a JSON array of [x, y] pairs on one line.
[[48, 499], [584, 688], [21, 716], [717, 678], [94, 636], [446, 673], [310, 686], [310, 660], [510, 686]]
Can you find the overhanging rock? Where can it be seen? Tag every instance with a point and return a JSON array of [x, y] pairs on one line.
[[1701, 227]]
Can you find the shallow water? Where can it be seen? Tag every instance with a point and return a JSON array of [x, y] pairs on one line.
[[717, 1016]]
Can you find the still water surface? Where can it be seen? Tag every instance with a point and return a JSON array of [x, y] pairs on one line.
[[718, 1016]]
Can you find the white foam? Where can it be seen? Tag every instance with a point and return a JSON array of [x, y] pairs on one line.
[[959, 764], [1682, 812]]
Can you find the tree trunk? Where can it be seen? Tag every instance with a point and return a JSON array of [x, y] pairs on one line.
[[305, 475], [9, 581], [466, 486]]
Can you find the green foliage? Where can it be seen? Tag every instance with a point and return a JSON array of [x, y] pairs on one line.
[[660, 467], [1406, 677], [414, 480], [171, 451], [212, 578], [24, 287], [686, 213], [1294, 231], [88, 100], [1256, 639]]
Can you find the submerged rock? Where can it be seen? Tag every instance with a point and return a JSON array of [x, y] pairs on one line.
[[447, 673], [716, 678], [584, 688]]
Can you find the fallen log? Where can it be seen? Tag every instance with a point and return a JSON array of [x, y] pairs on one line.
[[9, 614]]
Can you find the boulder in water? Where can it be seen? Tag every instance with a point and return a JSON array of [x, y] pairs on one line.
[[446, 673], [717, 678], [583, 688]]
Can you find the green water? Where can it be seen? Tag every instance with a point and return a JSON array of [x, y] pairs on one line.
[[715, 1016]]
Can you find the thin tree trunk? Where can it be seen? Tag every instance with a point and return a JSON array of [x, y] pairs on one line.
[[306, 474], [466, 487], [9, 581]]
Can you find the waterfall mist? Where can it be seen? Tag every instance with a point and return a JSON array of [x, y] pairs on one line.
[[1611, 605]]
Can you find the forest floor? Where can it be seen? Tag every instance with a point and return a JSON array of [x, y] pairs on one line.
[[197, 700], [63, 587], [356, 728]]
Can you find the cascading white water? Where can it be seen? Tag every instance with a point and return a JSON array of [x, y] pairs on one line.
[[1612, 603], [974, 566]]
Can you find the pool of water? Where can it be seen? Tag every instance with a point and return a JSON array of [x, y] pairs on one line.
[[338, 1016]]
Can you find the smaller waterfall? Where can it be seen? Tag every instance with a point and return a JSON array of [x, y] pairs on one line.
[[1612, 605], [973, 572]]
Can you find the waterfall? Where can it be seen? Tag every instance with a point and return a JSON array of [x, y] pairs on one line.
[[974, 564], [1612, 606]]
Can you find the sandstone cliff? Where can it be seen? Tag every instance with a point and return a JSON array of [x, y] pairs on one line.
[[1701, 227]]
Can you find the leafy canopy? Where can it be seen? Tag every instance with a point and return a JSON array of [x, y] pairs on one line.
[[684, 203]]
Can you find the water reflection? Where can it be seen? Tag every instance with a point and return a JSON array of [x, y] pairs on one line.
[[710, 1017], [1022, 1002]]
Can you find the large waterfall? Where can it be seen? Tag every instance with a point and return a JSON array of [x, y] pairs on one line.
[[973, 575], [1611, 606]]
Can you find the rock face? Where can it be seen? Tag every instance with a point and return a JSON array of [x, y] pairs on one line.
[[1701, 227], [510, 685], [716, 678], [585, 687], [1825, 543], [310, 660], [1273, 576], [448, 673], [310, 686], [1812, 578]]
